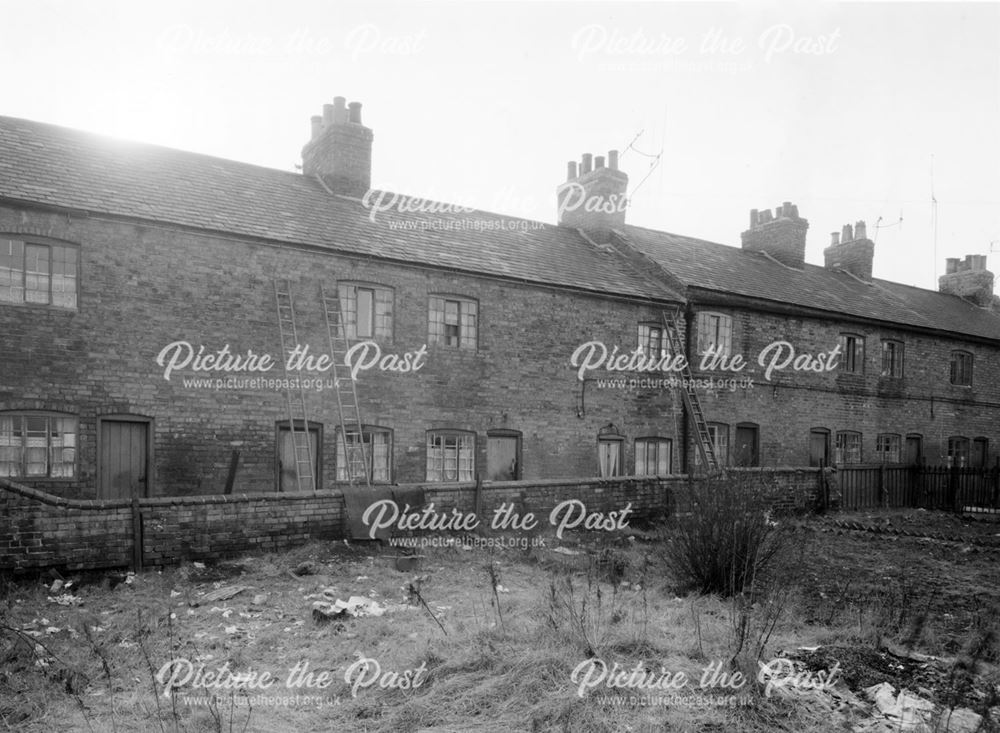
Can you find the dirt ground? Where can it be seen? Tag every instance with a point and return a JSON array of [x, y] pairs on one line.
[[489, 640]]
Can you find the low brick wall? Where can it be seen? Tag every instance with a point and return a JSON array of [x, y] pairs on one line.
[[38, 530]]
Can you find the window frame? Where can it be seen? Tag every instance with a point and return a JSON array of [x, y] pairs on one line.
[[716, 429], [724, 327], [22, 462], [969, 359], [51, 247], [880, 440], [451, 433], [644, 332], [437, 330], [896, 365], [611, 439], [340, 460], [856, 363], [839, 450], [657, 441], [962, 446], [382, 310]]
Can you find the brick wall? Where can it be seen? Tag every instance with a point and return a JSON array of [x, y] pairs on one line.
[[144, 287], [43, 530], [923, 402]]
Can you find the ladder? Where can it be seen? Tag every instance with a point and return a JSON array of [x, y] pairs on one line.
[[350, 438], [288, 333], [706, 448]]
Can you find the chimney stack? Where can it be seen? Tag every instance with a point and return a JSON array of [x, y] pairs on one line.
[[593, 196], [969, 279], [340, 149], [853, 252], [781, 235]]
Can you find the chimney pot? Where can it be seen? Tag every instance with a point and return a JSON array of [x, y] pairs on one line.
[[834, 238], [951, 265], [613, 160], [860, 230], [598, 162], [754, 218], [570, 170], [847, 235], [355, 112], [786, 209], [327, 115], [317, 126], [586, 163]]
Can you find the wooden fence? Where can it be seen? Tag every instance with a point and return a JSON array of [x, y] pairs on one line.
[[929, 487]]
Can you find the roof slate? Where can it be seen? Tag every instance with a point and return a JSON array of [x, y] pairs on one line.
[[725, 269], [60, 167]]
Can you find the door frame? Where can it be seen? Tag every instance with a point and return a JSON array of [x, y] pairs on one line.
[[507, 433], [311, 426], [149, 422]]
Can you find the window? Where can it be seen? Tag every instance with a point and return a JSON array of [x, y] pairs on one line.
[[746, 445], [299, 456], [372, 447], [980, 453], [715, 331], [719, 435], [37, 446], [847, 448], [652, 340], [958, 451], [609, 455], [819, 447], [453, 322], [888, 448], [31, 272], [652, 456], [451, 455], [892, 359], [366, 311], [852, 356], [961, 368]]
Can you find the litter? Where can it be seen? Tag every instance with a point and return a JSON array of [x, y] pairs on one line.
[[355, 606], [222, 594], [566, 551], [66, 599]]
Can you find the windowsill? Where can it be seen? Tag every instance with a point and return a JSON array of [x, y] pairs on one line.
[[42, 306]]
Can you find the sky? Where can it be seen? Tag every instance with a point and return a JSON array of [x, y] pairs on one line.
[[852, 111]]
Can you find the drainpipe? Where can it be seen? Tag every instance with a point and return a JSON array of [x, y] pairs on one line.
[[685, 431]]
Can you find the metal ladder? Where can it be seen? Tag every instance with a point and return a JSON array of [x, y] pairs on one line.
[[705, 445], [287, 331], [350, 438]]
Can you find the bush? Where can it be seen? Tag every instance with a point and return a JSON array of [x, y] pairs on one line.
[[727, 539]]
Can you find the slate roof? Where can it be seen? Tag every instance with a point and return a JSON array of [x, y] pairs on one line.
[[60, 167], [721, 268], [55, 166]]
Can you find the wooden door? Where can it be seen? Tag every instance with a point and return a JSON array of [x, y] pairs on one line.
[[286, 458], [746, 446], [501, 457], [914, 452], [819, 448], [124, 459]]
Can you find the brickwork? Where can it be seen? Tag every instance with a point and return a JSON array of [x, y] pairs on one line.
[[923, 402], [43, 530], [145, 287]]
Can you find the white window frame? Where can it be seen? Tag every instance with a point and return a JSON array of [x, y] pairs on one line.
[[453, 322], [377, 442], [21, 285], [380, 315], [443, 468], [55, 447], [715, 329], [662, 458]]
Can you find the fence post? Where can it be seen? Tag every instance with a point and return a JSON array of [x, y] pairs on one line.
[[883, 494], [953, 480], [996, 484]]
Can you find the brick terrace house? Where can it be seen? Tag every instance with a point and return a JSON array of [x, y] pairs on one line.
[[123, 266]]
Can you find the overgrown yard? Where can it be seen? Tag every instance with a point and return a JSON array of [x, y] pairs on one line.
[[520, 639]]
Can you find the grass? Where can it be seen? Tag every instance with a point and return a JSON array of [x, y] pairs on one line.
[[498, 635]]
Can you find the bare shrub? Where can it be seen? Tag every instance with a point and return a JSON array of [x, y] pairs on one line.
[[727, 539]]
